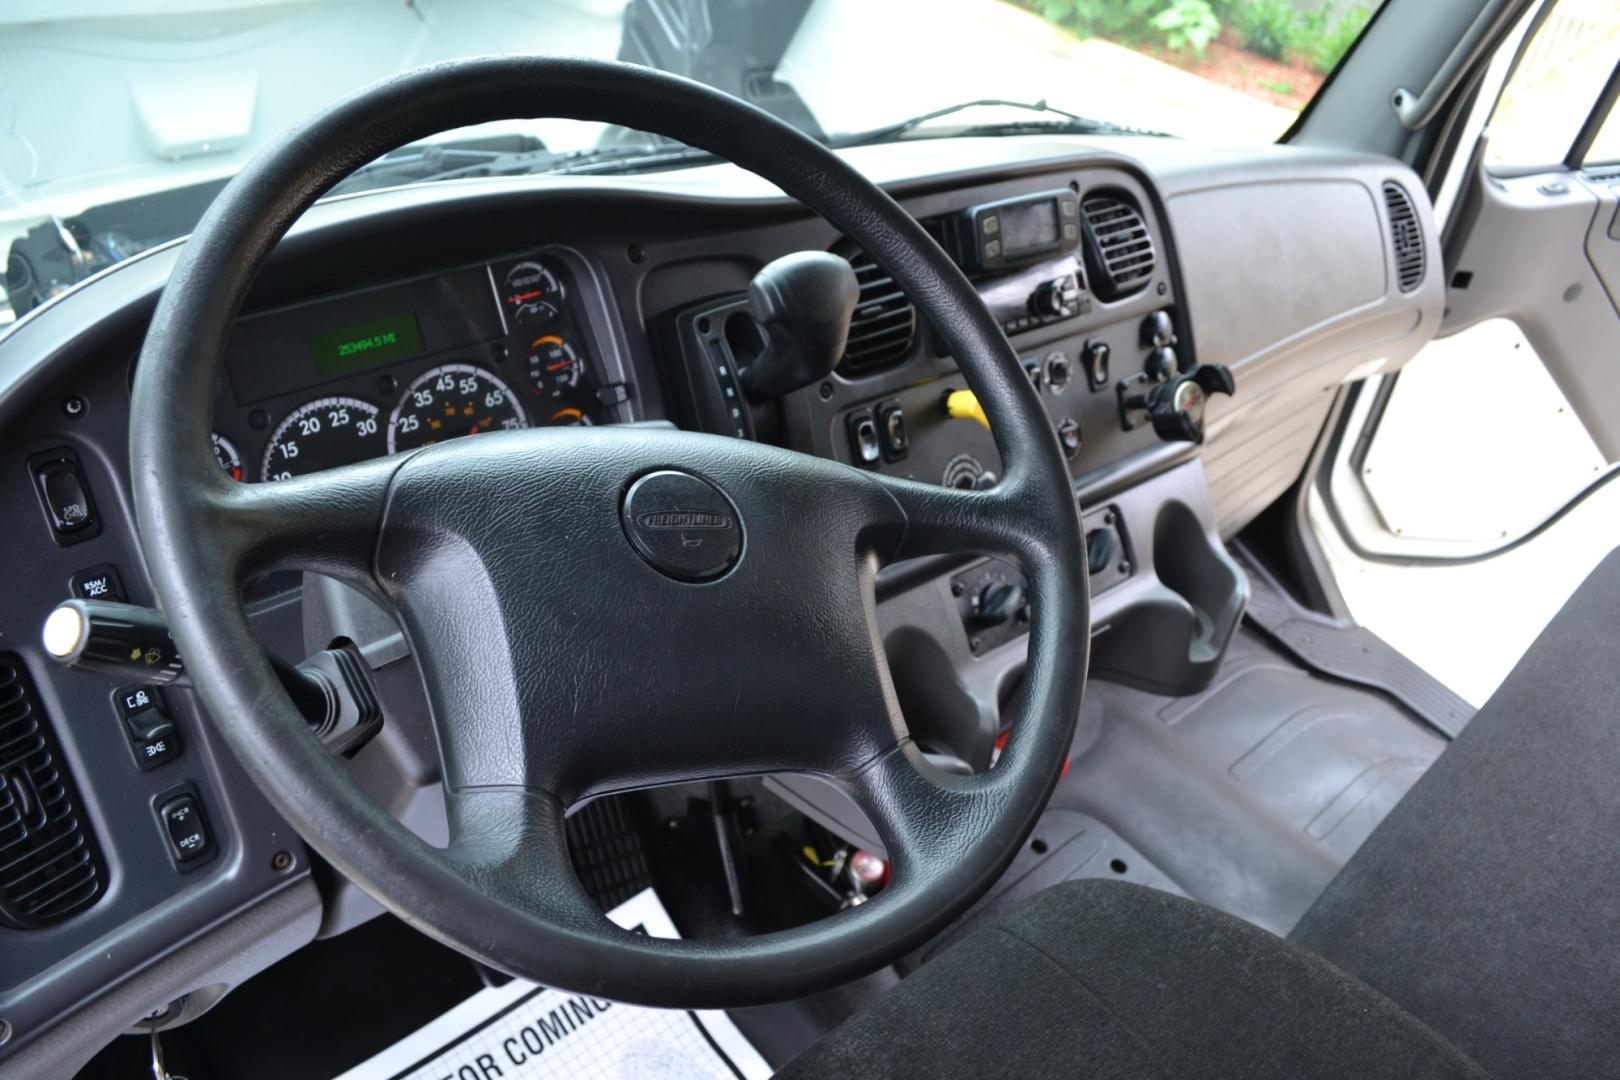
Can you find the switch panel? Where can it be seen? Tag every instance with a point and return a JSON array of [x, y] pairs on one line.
[[1108, 549], [992, 599]]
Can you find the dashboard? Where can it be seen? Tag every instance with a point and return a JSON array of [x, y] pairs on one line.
[[394, 319]]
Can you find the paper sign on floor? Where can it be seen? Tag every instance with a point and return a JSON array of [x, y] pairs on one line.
[[522, 1031]]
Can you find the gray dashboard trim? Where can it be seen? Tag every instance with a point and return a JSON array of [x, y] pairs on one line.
[[1311, 307], [224, 957]]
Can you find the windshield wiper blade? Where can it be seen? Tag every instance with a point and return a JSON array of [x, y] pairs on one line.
[[1042, 127], [1066, 122], [417, 162], [610, 160], [422, 162]]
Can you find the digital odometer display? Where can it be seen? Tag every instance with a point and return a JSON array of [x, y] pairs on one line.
[[366, 345]]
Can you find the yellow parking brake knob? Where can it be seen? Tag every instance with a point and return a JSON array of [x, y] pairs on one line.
[[964, 405]]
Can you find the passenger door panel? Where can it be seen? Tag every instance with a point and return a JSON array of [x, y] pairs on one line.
[[1543, 249]]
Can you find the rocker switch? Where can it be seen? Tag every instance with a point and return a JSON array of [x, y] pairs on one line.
[[892, 431], [184, 826], [863, 440]]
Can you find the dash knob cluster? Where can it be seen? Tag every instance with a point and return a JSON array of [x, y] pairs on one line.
[[1169, 398]]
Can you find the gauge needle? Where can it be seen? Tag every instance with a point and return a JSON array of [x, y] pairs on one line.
[[559, 365], [518, 299]]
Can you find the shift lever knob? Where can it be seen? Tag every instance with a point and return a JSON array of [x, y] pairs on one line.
[[804, 301]]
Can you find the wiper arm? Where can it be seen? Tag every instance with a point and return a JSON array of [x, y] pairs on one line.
[[1067, 121]]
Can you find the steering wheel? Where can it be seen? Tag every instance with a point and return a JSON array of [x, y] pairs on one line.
[[603, 609]]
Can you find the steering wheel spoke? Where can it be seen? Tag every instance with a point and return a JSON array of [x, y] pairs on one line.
[[928, 819], [326, 522], [936, 520], [513, 844]]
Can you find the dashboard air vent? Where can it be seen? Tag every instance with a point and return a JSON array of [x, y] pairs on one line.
[[1407, 235], [49, 865], [1119, 247], [885, 323]]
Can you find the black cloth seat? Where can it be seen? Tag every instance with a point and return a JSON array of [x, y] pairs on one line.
[[1100, 979], [1474, 935], [1488, 902]]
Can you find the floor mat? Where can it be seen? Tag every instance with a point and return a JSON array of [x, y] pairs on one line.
[[521, 1031], [1064, 846], [1252, 794], [1346, 651], [1248, 797]]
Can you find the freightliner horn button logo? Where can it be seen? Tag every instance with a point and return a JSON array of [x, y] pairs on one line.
[[682, 525]]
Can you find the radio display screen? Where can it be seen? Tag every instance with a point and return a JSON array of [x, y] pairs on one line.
[[1030, 226]]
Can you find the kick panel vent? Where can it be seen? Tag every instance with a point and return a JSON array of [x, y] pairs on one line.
[[1407, 236], [885, 322], [1119, 247], [49, 865]]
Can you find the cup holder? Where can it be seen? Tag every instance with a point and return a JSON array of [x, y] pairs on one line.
[[1171, 637]]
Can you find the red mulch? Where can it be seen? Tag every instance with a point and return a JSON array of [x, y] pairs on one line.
[[1227, 62]]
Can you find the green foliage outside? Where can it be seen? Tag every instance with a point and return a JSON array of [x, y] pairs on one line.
[[1188, 25], [1272, 28], [1326, 45], [1268, 27]]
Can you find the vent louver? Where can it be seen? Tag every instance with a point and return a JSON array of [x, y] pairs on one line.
[[885, 323], [1119, 247], [49, 866], [1407, 236]]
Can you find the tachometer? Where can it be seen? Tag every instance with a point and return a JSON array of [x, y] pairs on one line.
[[450, 401], [555, 368], [323, 434], [226, 454], [531, 294]]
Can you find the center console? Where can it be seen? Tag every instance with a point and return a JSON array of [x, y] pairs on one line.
[[1082, 276]]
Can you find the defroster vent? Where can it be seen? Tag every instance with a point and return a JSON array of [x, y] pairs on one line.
[[1119, 248], [49, 865], [885, 323], [1407, 236]]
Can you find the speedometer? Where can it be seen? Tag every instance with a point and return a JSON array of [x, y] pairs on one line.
[[450, 401], [323, 434]]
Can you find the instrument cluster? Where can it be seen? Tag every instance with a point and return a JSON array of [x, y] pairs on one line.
[[390, 368]]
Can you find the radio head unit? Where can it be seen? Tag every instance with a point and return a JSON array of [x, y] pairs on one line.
[[1010, 233]]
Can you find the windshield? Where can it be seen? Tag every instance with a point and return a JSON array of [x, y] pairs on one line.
[[120, 119]]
